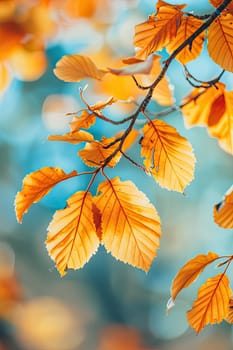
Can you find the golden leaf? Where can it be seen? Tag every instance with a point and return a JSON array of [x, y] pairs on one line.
[[158, 30], [188, 26], [211, 305], [197, 105], [212, 107], [190, 271], [220, 41], [223, 211], [168, 155], [217, 3], [73, 68], [72, 237], [73, 137], [95, 154], [36, 185], [229, 317], [130, 223]]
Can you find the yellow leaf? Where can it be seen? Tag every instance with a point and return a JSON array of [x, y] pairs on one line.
[[168, 155], [217, 3], [73, 137], [36, 185], [220, 41], [211, 305], [223, 211], [72, 237], [188, 26], [158, 30], [190, 271], [229, 317], [212, 107], [130, 223], [73, 68]]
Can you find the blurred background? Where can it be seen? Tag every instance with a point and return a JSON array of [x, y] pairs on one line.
[[107, 305]]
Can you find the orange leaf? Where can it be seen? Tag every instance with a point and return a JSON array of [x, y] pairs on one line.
[[73, 68], [102, 104], [73, 137], [163, 92], [223, 211], [197, 105], [130, 223], [72, 237], [229, 317], [169, 156], [220, 41], [212, 107], [87, 118], [143, 67], [158, 30], [188, 26], [217, 3], [190, 271], [211, 305], [36, 185], [94, 154]]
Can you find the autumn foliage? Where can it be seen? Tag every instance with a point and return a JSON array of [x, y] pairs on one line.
[[119, 215]]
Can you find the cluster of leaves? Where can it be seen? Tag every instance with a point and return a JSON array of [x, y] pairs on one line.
[[119, 215]]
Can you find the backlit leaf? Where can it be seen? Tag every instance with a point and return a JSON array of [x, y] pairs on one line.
[[211, 305], [168, 155], [158, 30], [223, 211], [36, 185], [130, 223], [163, 92], [73, 68], [73, 137], [212, 107], [229, 317], [190, 271], [72, 237], [220, 41], [87, 118], [143, 67], [188, 26], [95, 154], [197, 105], [217, 3]]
